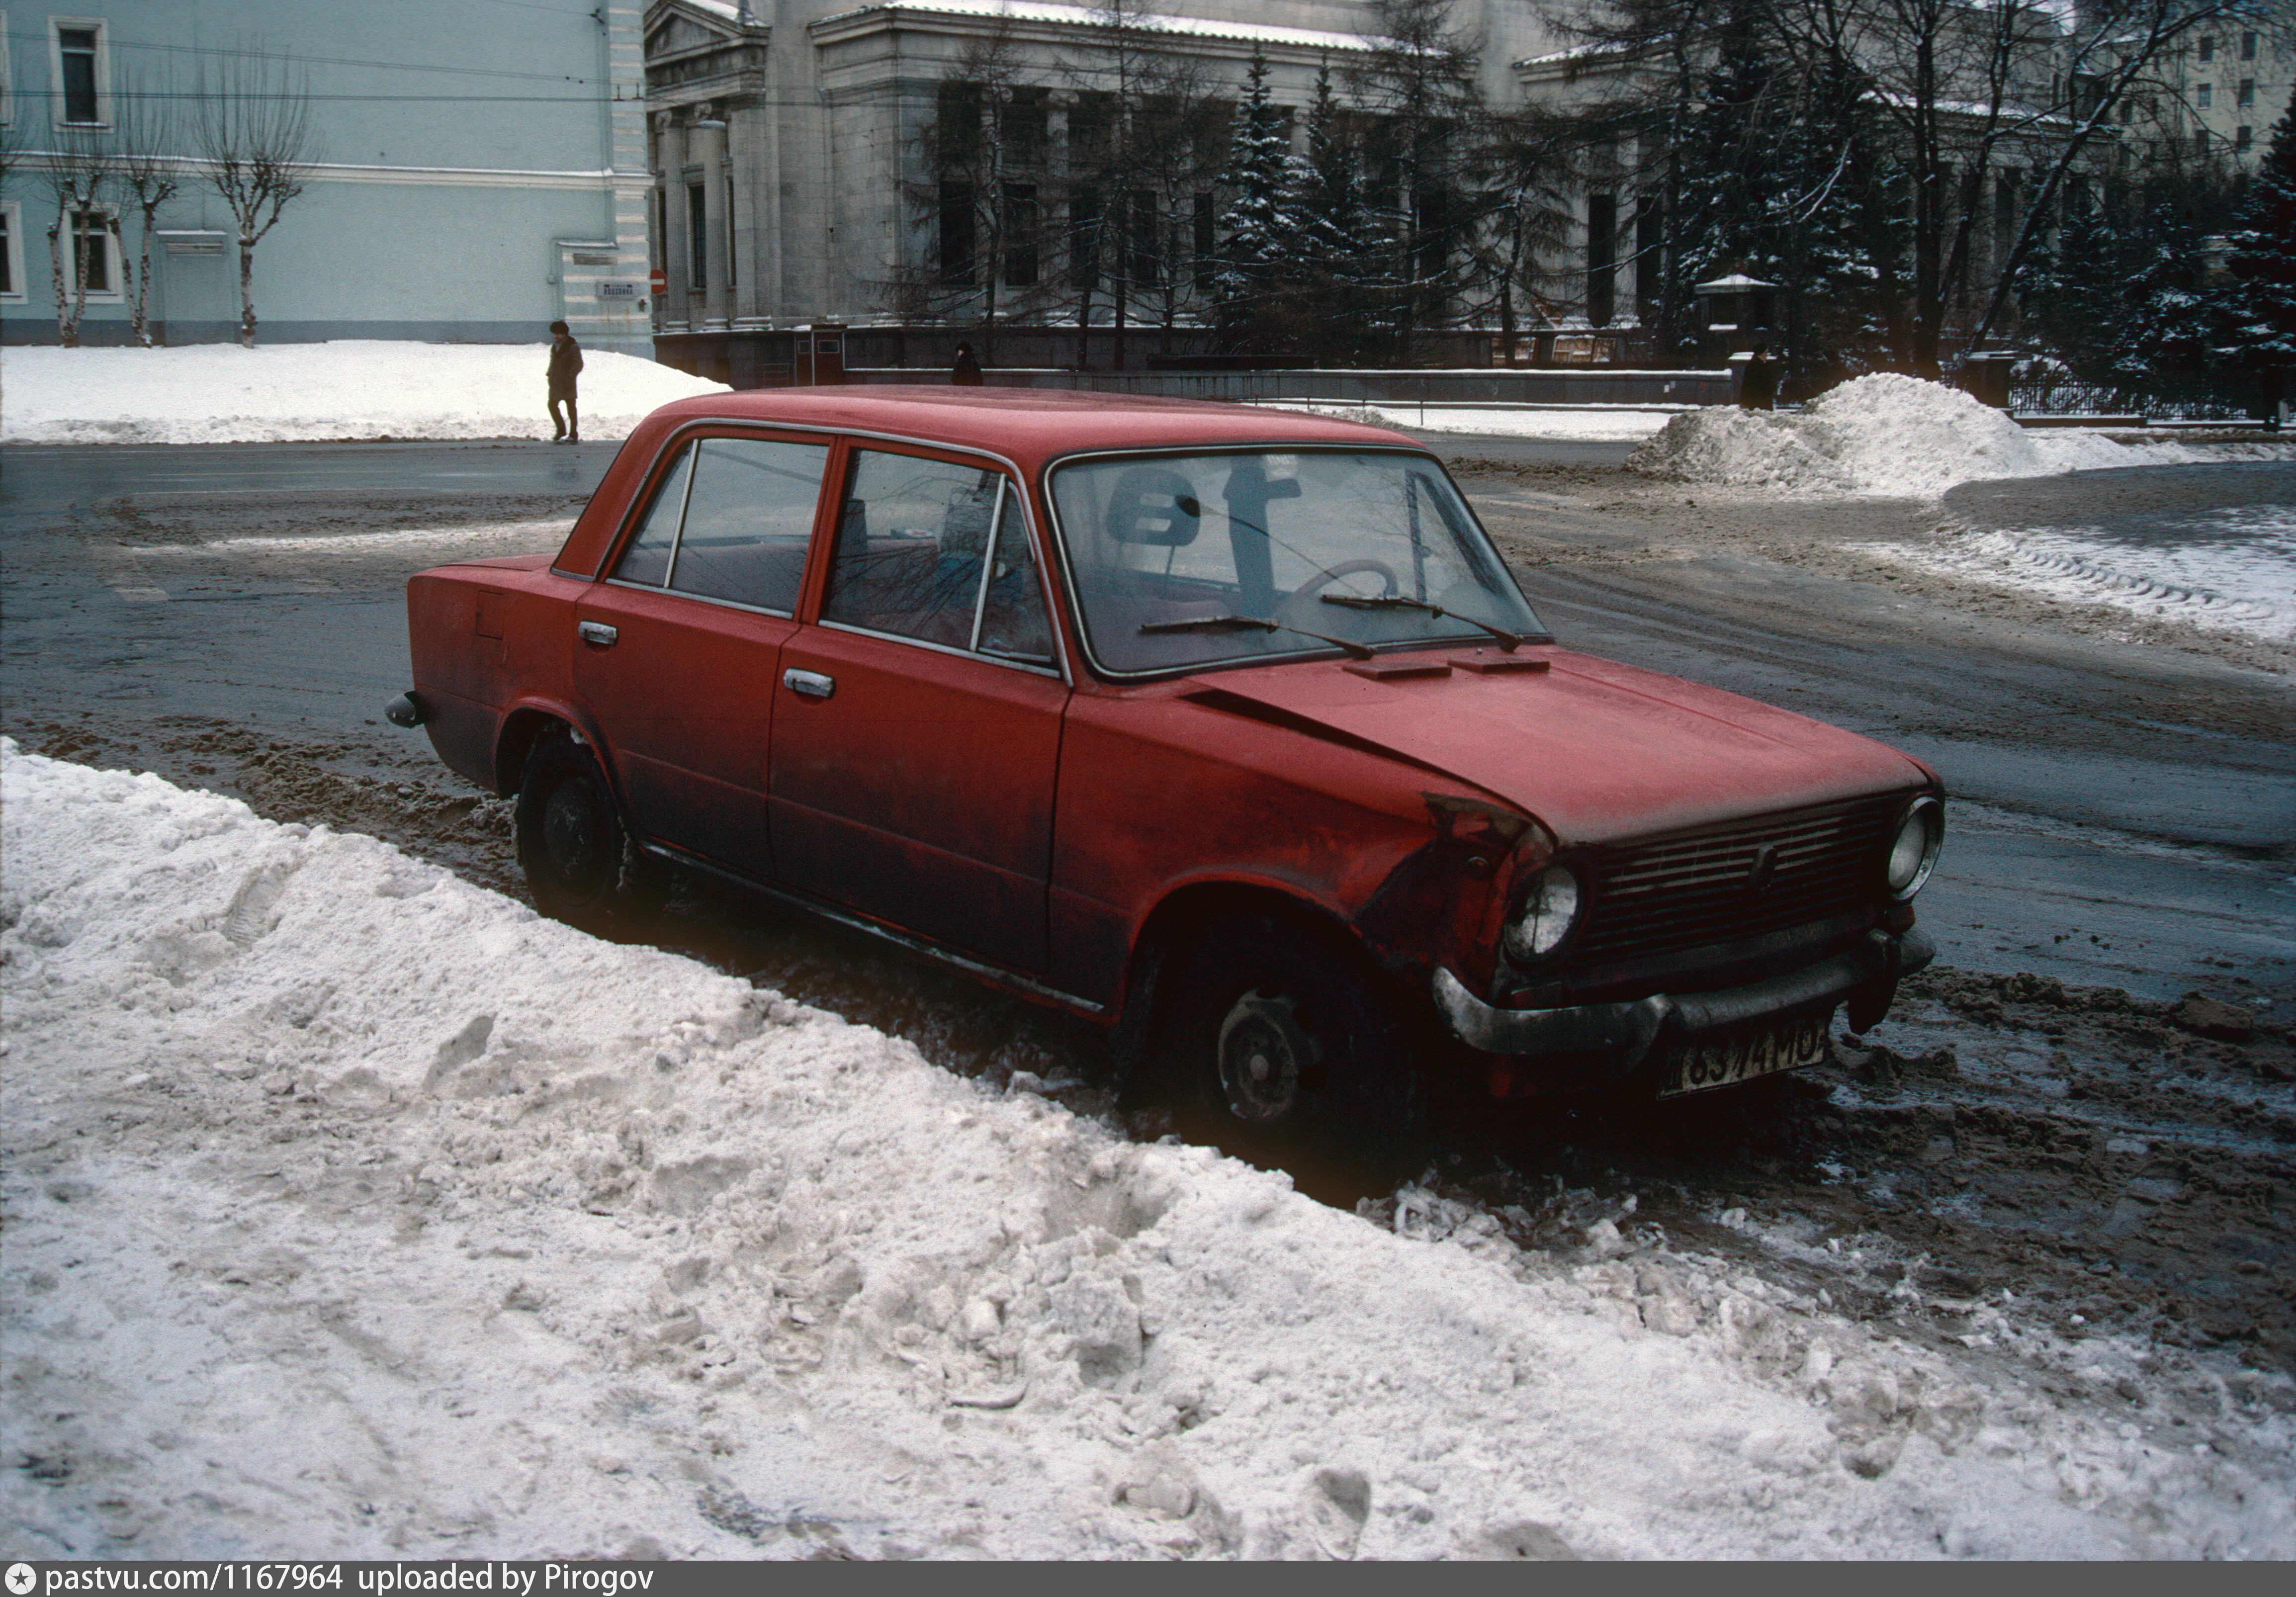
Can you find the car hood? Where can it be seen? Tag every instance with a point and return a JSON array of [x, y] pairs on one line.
[[1598, 752]]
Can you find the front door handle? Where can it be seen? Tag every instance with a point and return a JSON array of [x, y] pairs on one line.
[[813, 684], [598, 633]]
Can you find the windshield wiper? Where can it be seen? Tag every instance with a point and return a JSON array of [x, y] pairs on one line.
[[1511, 640], [1234, 623]]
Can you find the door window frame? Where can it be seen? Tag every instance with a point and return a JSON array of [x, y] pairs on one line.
[[658, 473], [1011, 492]]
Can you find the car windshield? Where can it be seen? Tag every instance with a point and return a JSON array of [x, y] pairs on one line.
[[1183, 562]]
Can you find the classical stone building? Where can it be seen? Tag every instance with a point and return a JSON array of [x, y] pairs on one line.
[[478, 171], [788, 141]]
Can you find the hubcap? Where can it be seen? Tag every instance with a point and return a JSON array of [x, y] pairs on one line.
[[1264, 1052]]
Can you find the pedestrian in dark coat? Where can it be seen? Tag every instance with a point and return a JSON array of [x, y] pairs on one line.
[[967, 372], [565, 362], [1760, 389]]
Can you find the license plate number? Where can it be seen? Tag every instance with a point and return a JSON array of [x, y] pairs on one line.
[[1727, 1060]]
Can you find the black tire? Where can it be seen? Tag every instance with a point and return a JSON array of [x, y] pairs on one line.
[[1278, 1045], [581, 862]]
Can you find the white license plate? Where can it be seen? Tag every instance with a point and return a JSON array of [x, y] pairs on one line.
[[1725, 1062]]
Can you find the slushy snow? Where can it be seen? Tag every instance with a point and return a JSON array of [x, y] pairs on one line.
[[1882, 436], [353, 1211], [293, 393]]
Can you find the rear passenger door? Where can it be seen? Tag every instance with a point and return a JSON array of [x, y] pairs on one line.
[[679, 648], [917, 724]]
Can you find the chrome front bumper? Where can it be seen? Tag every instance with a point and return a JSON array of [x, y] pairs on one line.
[[1866, 976]]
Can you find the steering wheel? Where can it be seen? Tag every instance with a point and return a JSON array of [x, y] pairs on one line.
[[1346, 567]]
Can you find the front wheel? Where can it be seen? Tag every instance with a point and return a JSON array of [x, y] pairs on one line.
[[1282, 1045], [580, 862]]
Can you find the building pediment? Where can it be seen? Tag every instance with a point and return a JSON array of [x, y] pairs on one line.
[[677, 30]]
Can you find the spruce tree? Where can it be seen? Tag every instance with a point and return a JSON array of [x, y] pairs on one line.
[[1328, 283], [1253, 248], [2260, 306]]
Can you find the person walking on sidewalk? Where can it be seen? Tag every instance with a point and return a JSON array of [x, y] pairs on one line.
[[565, 365]]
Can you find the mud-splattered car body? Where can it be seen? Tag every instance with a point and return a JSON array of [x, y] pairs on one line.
[[1052, 686]]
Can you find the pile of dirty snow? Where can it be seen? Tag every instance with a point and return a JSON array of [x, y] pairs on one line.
[[355, 1212], [281, 393], [1882, 435]]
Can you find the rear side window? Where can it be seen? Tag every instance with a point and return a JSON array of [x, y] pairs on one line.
[[731, 521], [938, 553]]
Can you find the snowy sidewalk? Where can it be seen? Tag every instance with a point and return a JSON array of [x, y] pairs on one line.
[[354, 1211], [293, 393]]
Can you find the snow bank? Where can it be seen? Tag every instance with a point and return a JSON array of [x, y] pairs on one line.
[[278, 393], [1576, 424], [1883, 435], [353, 1211]]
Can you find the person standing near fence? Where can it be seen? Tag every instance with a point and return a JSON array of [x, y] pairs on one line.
[[565, 366]]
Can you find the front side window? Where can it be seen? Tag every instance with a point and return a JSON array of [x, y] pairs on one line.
[[1183, 562], [731, 521], [75, 67], [938, 553]]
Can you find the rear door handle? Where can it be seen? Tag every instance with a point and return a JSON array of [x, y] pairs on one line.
[[598, 633], [813, 684]]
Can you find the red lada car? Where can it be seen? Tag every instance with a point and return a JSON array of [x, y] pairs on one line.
[[1225, 728]]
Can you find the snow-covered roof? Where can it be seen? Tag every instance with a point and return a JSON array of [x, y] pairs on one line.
[[1733, 285], [1083, 16]]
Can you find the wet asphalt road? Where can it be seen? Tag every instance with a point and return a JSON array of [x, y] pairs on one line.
[[2115, 823]]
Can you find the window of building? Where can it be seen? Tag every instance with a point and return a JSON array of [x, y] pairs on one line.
[[1083, 240], [2248, 46], [2200, 141], [2208, 47], [12, 251], [2204, 94], [92, 238], [1019, 235], [2241, 138], [83, 97], [1141, 259], [728, 230], [1207, 241], [7, 79], [2247, 95], [697, 235], [1602, 258], [957, 235]]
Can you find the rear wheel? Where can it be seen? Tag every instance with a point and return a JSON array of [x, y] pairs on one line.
[[1281, 1044], [580, 862]]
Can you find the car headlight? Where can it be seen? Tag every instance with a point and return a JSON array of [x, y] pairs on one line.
[[1914, 850], [1549, 910]]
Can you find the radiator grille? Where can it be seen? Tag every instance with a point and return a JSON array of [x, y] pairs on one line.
[[1693, 889]]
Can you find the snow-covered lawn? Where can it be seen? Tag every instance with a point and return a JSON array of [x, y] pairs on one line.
[[352, 1210], [283, 393]]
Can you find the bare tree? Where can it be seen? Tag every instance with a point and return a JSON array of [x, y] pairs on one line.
[[256, 150], [80, 175], [149, 172]]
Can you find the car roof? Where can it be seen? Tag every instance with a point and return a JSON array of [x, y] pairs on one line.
[[1030, 426], [1027, 426]]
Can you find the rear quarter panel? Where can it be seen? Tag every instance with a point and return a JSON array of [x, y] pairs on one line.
[[483, 639]]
